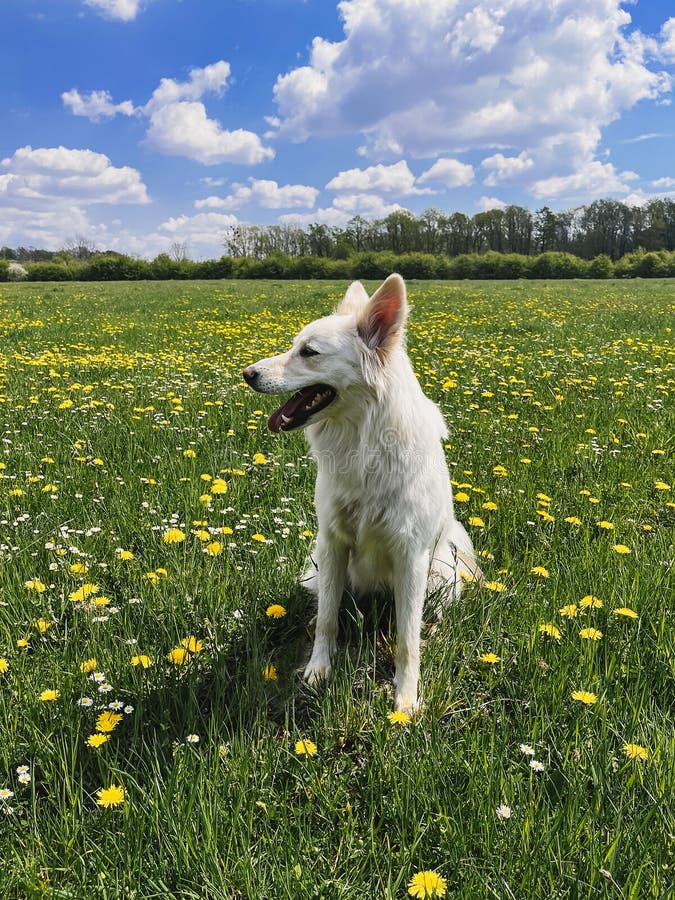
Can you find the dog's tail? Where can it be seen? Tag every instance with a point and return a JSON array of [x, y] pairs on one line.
[[454, 562]]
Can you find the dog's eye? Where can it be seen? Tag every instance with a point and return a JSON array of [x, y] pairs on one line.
[[305, 350]]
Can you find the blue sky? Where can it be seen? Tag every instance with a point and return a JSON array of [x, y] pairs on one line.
[[139, 123]]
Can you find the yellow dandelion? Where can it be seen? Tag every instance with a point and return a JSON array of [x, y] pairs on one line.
[[259, 459], [590, 634], [96, 740], [108, 721], [178, 656], [84, 593], [636, 751], [539, 571], [399, 718], [173, 536], [621, 548], [661, 486], [125, 555], [269, 673], [258, 537], [490, 506], [590, 602], [189, 453], [476, 521], [4, 665], [79, 568], [573, 520], [461, 497], [89, 665], [215, 548], [490, 658], [43, 625], [142, 660], [305, 748], [569, 611], [605, 524], [625, 611], [49, 695], [586, 697], [192, 644], [275, 611], [496, 586], [551, 631], [427, 885], [112, 796], [35, 585], [218, 486]]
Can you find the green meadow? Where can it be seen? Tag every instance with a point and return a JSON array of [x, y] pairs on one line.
[[156, 738]]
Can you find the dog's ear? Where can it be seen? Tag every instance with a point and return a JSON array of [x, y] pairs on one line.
[[382, 321], [354, 300]]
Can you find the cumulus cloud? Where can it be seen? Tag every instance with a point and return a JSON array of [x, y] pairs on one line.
[[178, 123], [396, 178], [261, 192], [435, 79], [486, 203], [124, 10], [448, 172], [344, 208], [595, 179], [96, 105]]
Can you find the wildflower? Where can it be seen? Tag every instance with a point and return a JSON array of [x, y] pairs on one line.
[[490, 506], [259, 459], [540, 571], [591, 634], [4, 665], [178, 656], [189, 453], [527, 749], [584, 697], [569, 611], [590, 602], [124, 554], [112, 796], [626, 612], [105, 688], [115, 704], [661, 486], [84, 593], [22, 770], [476, 521], [85, 702], [143, 661], [503, 811], [426, 885], [218, 486], [490, 658], [258, 537], [461, 497], [636, 751], [269, 673], [536, 766], [96, 740], [192, 739], [173, 536], [88, 666], [573, 520], [275, 611], [605, 524], [305, 748], [35, 585], [24, 777], [399, 718], [48, 695], [108, 721], [6, 794], [192, 644], [551, 631], [621, 548], [214, 548], [496, 586]]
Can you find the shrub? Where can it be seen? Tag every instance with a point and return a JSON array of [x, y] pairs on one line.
[[373, 265], [4, 267], [417, 265], [554, 264], [214, 268], [49, 271], [16, 272], [601, 267], [115, 267]]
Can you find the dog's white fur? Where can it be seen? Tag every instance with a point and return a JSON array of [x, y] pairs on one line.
[[383, 494]]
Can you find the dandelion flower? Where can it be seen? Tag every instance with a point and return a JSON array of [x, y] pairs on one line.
[[606, 525], [173, 536], [399, 718], [540, 571], [49, 695], [192, 644], [110, 797], [427, 885], [4, 665], [125, 554], [626, 612], [178, 656], [584, 697], [214, 548], [108, 721], [497, 586], [590, 602], [573, 520], [218, 486], [461, 497], [661, 485], [476, 521], [35, 585], [490, 658], [143, 661], [97, 740], [590, 634], [305, 748], [636, 751], [275, 611], [269, 673], [621, 548], [89, 665], [259, 459], [550, 630], [258, 537], [569, 611]]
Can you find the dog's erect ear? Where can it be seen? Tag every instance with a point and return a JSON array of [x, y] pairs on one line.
[[354, 300], [381, 322]]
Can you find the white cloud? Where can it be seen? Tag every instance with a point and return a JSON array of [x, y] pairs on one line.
[[178, 122], [211, 79], [664, 183], [667, 47], [486, 203], [504, 168], [205, 231], [523, 77], [125, 10], [595, 179], [51, 175], [396, 178], [449, 172], [267, 194], [344, 208], [96, 106], [184, 129]]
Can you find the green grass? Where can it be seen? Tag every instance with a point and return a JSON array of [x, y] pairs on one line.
[[568, 386]]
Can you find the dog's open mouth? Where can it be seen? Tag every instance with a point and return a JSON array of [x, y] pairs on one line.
[[297, 411]]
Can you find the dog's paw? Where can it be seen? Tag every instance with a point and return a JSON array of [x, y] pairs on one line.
[[316, 672], [407, 703]]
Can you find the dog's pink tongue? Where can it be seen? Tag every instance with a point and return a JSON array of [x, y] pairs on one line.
[[276, 422]]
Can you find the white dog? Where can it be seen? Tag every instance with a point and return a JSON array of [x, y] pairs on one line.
[[383, 494]]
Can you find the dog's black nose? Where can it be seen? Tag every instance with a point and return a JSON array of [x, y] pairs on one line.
[[250, 376]]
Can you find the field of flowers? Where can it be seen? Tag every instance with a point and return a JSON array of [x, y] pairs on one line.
[[156, 739]]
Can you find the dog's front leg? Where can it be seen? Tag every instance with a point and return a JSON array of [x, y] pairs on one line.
[[332, 556], [410, 580]]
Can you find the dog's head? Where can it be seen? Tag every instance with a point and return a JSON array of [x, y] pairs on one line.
[[334, 356]]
